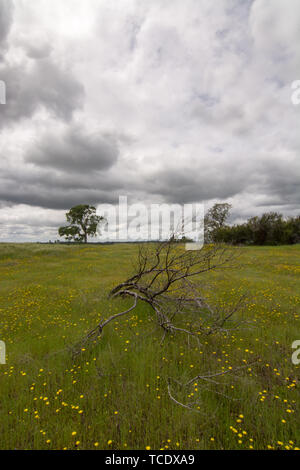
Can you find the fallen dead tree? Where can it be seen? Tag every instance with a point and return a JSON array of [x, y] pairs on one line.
[[172, 281], [168, 279]]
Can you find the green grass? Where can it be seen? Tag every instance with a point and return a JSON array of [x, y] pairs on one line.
[[115, 395]]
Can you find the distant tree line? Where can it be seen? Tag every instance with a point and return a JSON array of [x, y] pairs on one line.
[[271, 228]]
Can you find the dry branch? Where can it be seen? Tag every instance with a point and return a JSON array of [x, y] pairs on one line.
[[168, 279]]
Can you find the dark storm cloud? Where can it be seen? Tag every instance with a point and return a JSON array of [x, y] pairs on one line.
[[282, 182], [58, 180], [55, 198], [38, 51], [54, 189], [42, 84], [185, 185], [75, 151], [277, 183]]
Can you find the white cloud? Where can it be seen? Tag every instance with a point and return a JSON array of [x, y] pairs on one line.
[[197, 94]]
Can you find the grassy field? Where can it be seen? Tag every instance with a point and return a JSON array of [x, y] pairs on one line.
[[115, 395]]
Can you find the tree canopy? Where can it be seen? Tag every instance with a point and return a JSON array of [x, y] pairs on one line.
[[83, 223], [270, 228], [215, 219]]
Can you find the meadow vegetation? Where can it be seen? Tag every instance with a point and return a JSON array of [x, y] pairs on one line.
[[116, 393]]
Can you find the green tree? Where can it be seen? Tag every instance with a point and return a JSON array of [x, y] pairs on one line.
[[83, 223], [267, 229], [214, 220]]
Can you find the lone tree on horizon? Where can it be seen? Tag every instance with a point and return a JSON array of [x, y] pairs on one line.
[[83, 223], [215, 219]]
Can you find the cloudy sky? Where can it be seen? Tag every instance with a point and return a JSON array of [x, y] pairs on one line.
[[173, 101]]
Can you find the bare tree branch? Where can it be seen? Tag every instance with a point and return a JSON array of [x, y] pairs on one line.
[[168, 279]]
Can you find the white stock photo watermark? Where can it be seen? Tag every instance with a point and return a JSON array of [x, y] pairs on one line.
[[2, 353], [295, 98], [145, 223], [296, 354], [2, 92]]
